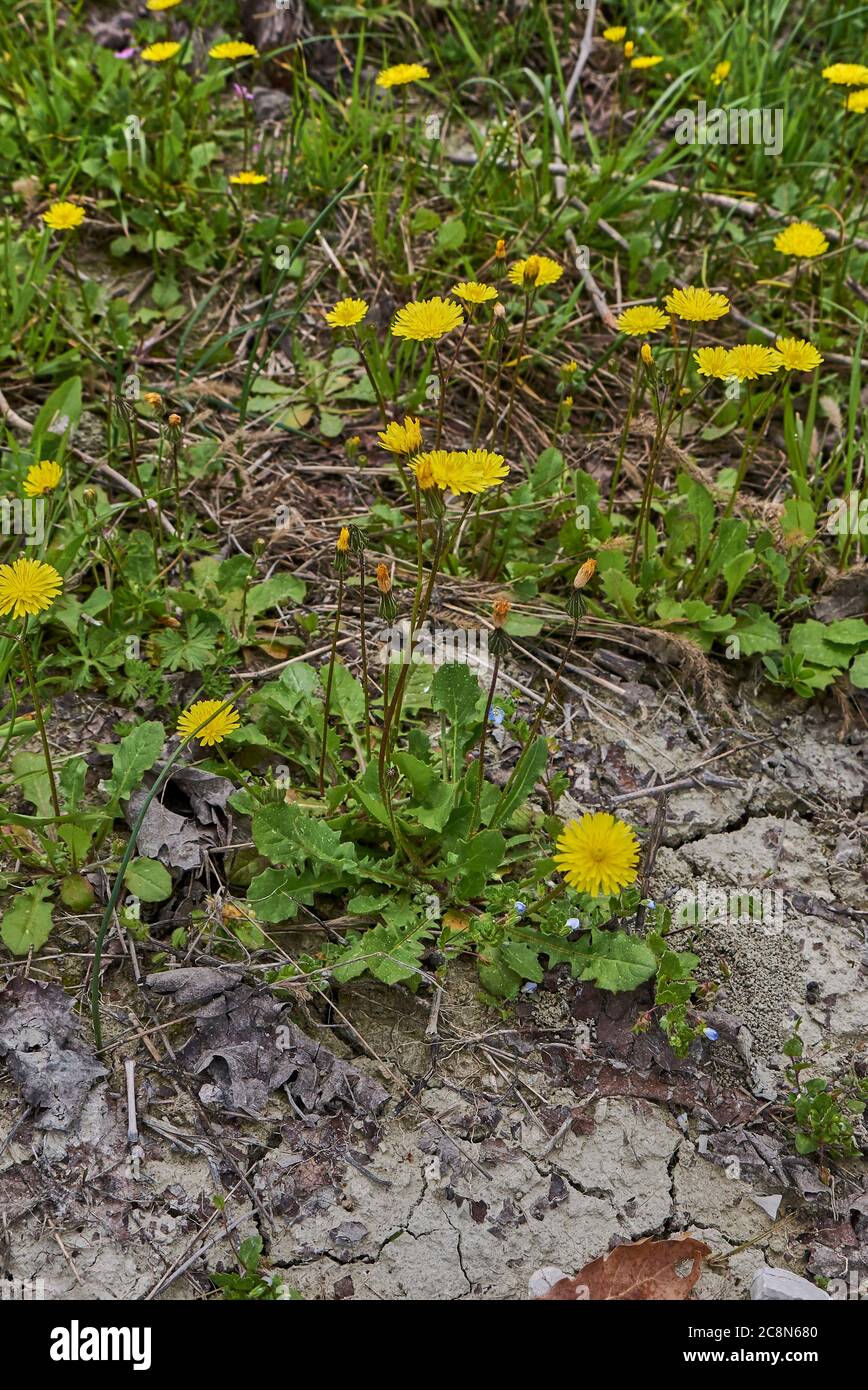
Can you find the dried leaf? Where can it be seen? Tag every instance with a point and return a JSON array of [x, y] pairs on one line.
[[646, 1270]]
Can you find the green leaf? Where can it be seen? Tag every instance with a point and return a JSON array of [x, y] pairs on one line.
[[810, 640], [451, 234], [523, 959], [390, 952], [30, 775], [148, 880], [859, 672], [495, 975], [348, 696], [456, 693], [848, 632], [433, 798], [482, 856], [617, 961], [530, 769], [134, 756], [286, 836], [27, 923]]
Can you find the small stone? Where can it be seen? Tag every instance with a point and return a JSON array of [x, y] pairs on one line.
[[544, 1279], [781, 1285], [770, 1204]]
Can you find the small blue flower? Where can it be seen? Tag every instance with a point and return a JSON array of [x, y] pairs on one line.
[[528, 987], [495, 715], [520, 908], [573, 923], [711, 1034], [651, 903]]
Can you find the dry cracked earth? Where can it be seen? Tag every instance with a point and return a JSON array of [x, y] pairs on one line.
[[380, 1163]]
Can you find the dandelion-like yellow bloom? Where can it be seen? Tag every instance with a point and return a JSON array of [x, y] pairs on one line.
[[535, 272], [721, 72], [402, 439], [426, 320], [748, 361], [646, 61], [847, 74], [641, 320], [160, 52], [473, 292], [431, 469], [598, 854], [232, 49], [343, 541], [248, 177], [797, 354], [615, 33], [697, 305], [474, 471], [712, 361], [347, 313], [42, 477], [62, 217], [216, 729], [401, 73], [27, 587], [157, 5], [858, 101], [801, 239]]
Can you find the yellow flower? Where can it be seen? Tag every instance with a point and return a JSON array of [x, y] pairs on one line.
[[156, 5], [343, 540], [797, 354], [629, 48], [646, 354], [474, 471], [347, 313], [598, 854], [721, 72], [27, 586], [500, 249], [42, 477], [858, 101], [747, 361], [159, 52], [615, 34], [641, 320], [697, 305], [217, 727], [232, 49], [801, 239], [535, 272], [402, 439], [646, 61], [425, 320], [62, 217], [247, 176], [585, 574], [847, 74], [431, 468], [712, 361], [402, 73], [473, 292]]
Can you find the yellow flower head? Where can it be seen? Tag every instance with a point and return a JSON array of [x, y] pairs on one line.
[[232, 49], [62, 217], [160, 52], [431, 468], [847, 74], [473, 292], [642, 320], [343, 540], [713, 361], [426, 320], [697, 305], [402, 439], [27, 586], [474, 471], [535, 272], [646, 354], [629, 48], [598, 854], [747, 361], [858, 101], [42, 477], [347, 313], [500, 249], [721, 72], [155, 6], [615, 33], [218, 725], [646, 61], [248, 177], [797, 354], [801, 239], [402, 73]]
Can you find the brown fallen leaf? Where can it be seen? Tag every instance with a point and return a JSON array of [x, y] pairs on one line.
[[644, 1270]]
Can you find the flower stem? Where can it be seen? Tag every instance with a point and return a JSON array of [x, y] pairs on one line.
[[328, 691], [40, 722]]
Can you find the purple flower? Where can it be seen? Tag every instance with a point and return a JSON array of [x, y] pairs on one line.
[[520, 908], [711, 1034], [495, 715], [126, 52], [242, 93]]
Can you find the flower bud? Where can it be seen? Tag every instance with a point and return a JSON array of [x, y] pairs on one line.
[[646, 354]]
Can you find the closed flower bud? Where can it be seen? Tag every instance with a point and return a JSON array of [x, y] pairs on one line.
[[153, 398], [585, 574], [500, 642], [499, 327], [501, 611], [384, 579], [174, 422], [576, 599], [342, 546], [500, 249], [357, 540], [646, 354], [629, 48]]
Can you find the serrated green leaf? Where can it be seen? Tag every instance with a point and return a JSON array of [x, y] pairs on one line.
[[134, 756], [148, 880], [27, 923], [530, 769]]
